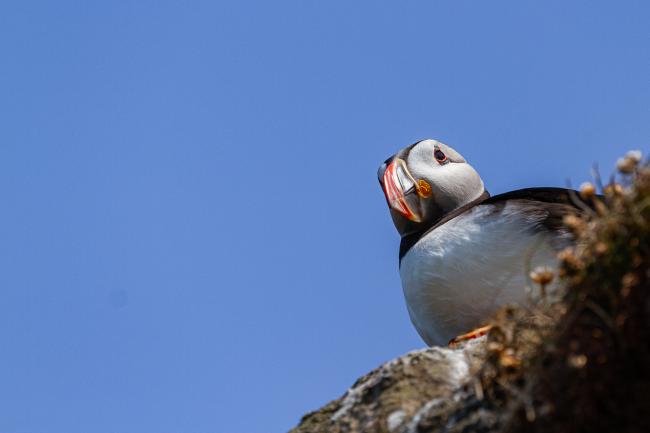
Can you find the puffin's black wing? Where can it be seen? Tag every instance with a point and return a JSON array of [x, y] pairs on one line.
[[556, 203]]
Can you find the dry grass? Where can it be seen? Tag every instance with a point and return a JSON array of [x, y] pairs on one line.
[[582, 364]]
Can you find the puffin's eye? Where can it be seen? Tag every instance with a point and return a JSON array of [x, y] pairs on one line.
[[440, 156]]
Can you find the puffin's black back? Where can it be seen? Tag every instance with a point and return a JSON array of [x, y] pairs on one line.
[[546, 195]]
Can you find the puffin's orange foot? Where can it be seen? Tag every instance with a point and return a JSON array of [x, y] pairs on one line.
[[455, 343]]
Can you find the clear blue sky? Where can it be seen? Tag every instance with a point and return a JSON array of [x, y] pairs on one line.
[[192, 237]]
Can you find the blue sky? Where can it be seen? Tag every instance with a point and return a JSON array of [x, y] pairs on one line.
[[192, 235]]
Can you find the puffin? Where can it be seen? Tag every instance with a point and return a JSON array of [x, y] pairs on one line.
[[463, 253]]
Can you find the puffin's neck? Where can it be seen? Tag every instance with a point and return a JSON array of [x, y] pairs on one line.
[[411, 238]]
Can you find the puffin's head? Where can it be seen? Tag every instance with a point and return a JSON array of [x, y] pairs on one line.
[[424, 182]]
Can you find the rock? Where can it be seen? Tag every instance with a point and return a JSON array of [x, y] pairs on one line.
[[420, 391]]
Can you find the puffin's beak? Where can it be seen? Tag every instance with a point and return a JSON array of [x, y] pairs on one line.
[[400, 189]]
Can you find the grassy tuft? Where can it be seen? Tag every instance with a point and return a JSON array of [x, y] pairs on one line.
[[582, 363]]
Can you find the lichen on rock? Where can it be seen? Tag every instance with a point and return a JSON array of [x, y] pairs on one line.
[[402, 394]]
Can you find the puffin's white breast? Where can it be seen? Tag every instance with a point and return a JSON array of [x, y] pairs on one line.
[[457, 275]]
